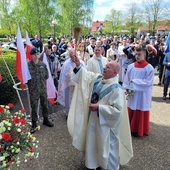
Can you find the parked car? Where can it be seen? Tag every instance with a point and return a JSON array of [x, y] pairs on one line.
[[12, 45]]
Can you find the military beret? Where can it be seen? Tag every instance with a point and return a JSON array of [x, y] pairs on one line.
[[34, 50]]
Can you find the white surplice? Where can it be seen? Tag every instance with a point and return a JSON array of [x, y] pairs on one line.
[[122, 60], [142, 80], [93, 134], [66, 85]]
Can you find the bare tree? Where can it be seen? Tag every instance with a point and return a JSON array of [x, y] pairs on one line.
[[152, 9], [133, 18], [114, 22]]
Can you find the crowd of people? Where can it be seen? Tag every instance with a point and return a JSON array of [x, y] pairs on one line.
[[105, 84], [114, 48]]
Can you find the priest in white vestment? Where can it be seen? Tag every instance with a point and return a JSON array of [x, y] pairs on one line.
[[122, 60], [96, 63], [98, 119], [66, 85]]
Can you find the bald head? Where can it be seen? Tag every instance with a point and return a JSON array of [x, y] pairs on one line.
[[115, 66], [111, 70]]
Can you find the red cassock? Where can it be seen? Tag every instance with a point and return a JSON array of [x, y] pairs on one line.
[[139, 120]]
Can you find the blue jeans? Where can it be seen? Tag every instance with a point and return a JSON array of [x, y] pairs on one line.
[[166, 84]]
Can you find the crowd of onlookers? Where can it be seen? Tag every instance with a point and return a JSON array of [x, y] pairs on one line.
[[113, 47], [119, 48]]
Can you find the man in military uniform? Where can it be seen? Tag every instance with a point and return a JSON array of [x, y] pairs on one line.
[[37, 88]]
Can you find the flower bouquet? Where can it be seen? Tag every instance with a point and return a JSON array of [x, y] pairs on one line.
[[15, 137]]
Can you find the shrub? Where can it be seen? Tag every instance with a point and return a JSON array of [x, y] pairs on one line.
[[7, 92]]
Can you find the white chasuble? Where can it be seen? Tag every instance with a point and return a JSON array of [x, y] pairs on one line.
[[91, 133]]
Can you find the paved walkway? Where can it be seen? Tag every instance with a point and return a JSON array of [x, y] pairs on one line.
[[150, 152]]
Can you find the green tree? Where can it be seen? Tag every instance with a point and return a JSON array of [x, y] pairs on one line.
[[114, 22], [6, 18], [153, 12], [74, 13], [133, 18], [35, 16]]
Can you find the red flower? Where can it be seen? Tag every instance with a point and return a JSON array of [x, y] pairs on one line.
[[1, 149], [17, 120], [23, 121], [23, 110], [10, 105], [32, 150], [1, 109], [6, 136]]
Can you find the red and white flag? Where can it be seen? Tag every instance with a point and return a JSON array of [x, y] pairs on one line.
[[21, 69], [0, 50], [28, 47], [51, 90]]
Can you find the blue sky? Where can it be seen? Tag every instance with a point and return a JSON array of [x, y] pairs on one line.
[[103, 7]]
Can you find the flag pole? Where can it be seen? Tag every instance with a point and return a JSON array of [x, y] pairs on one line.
[[163, 74], [28, 97], [13, 82]]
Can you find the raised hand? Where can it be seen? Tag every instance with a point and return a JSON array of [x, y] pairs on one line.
[[76, 60]]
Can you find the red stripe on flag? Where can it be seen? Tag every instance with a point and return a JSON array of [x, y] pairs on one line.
[[18, 69], [0, 50], [28, 49]]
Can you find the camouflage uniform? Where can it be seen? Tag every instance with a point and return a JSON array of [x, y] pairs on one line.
[[37, 88]]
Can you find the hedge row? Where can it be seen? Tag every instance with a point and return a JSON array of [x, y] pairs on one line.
[[7, 92]]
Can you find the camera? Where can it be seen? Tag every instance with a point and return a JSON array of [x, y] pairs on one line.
[[52, 57]]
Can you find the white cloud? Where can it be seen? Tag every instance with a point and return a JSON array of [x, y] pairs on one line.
[[103, 7], [101, 12]]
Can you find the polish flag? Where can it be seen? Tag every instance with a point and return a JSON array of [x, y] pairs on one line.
[[0, 50], [28, 47], [51, 90], [21, 69]]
